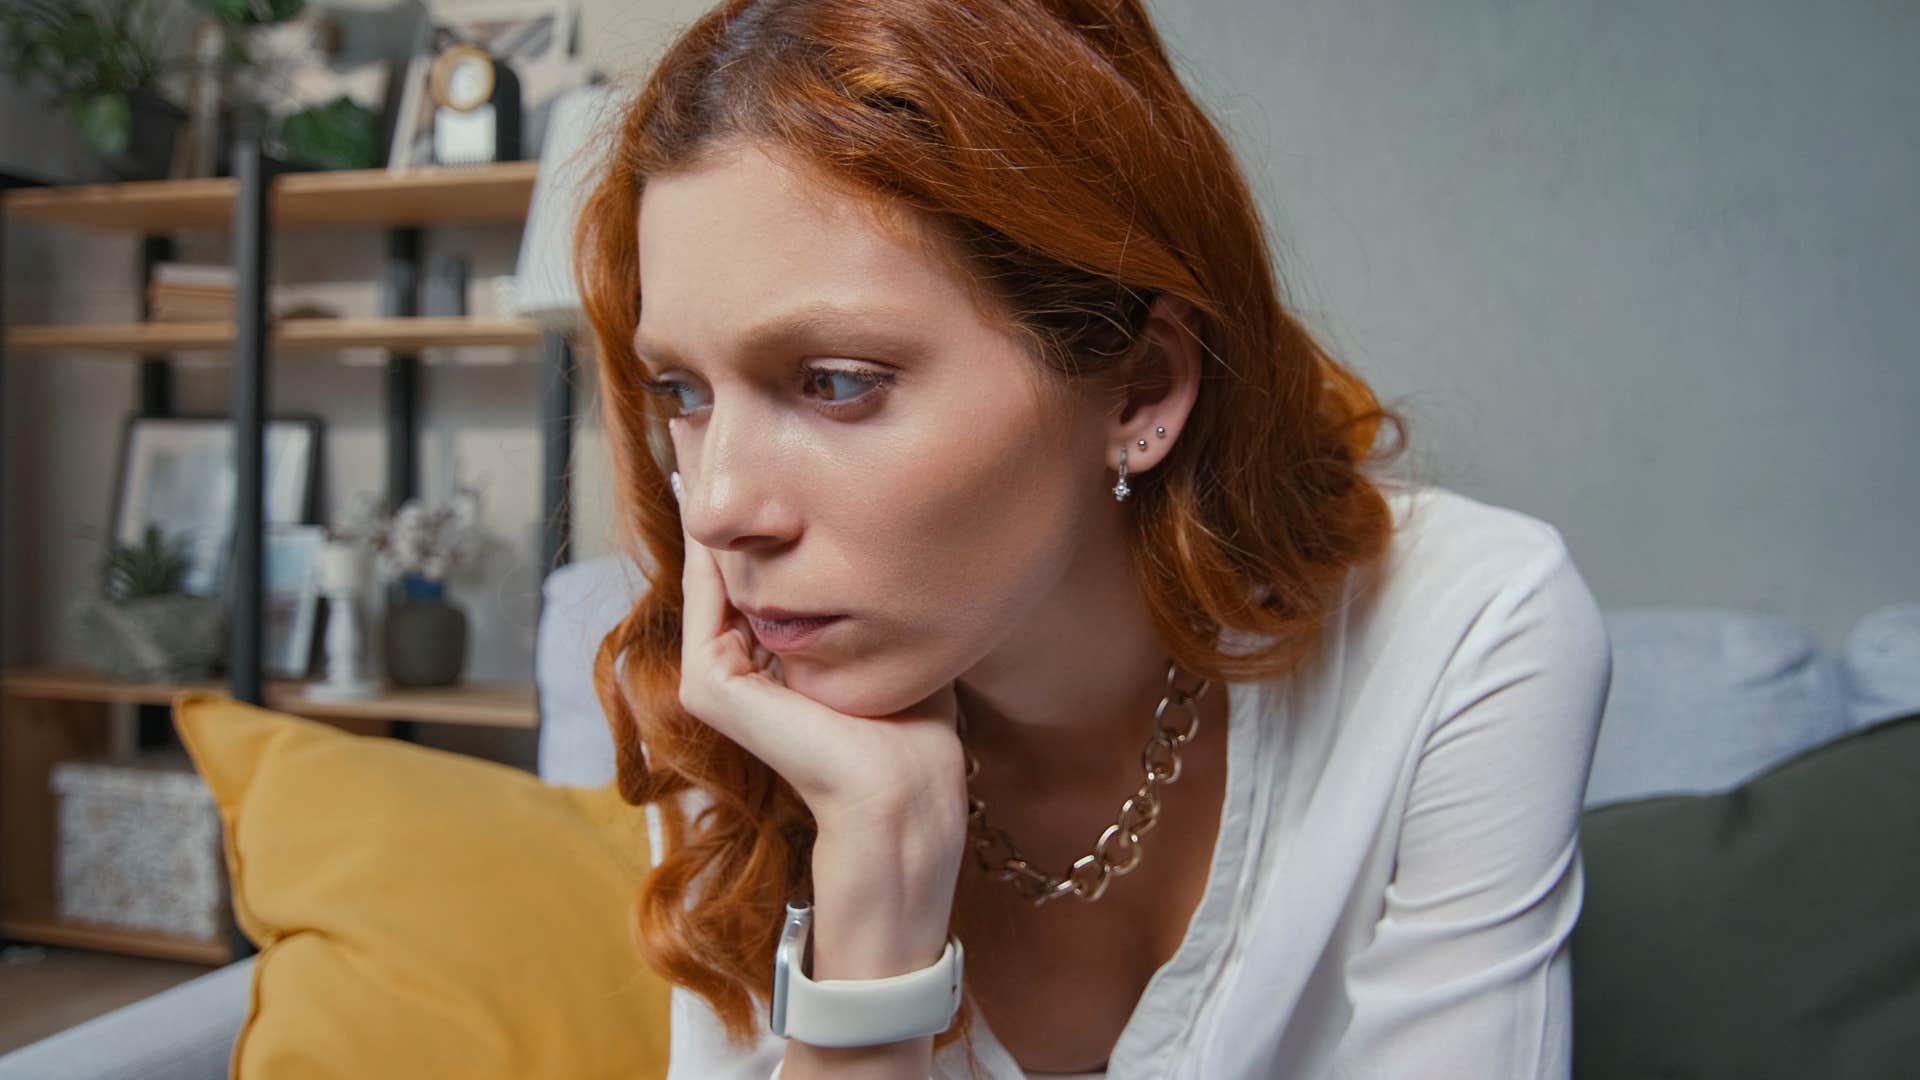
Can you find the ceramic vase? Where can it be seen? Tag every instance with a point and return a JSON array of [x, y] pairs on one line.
[[426, 636]]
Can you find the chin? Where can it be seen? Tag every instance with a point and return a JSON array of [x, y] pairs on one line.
[[857, 687]]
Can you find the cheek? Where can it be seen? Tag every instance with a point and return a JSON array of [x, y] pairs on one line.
[[992, 524], [944, 566], [974, 536], [948, 539]]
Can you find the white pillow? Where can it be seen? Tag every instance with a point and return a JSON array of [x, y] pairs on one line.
[[1702, 699], [583, 601], [1882, 662]]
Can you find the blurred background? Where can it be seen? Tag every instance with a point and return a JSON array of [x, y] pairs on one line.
[[1647, 271], [1644, 270]]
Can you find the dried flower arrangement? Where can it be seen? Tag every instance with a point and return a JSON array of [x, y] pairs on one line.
[[420, 541]]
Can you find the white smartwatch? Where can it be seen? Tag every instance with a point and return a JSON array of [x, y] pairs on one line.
[[858, 1012]]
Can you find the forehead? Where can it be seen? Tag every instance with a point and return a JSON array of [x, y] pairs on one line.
[[751, 230]]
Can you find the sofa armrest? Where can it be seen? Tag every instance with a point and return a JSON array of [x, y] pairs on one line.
[[183, 1033]]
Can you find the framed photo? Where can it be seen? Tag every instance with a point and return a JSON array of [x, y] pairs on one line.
[[292, 600], [177, 473], [537, 39]]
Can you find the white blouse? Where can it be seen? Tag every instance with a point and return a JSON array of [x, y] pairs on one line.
[[1397, 867]]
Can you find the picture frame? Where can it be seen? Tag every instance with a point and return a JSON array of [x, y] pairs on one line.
[[292, 598], [177, 472], [537, 39]]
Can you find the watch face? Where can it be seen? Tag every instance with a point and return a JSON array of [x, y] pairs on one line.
[[462, 78]]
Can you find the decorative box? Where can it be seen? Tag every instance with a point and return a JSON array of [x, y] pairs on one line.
[[139, 845]]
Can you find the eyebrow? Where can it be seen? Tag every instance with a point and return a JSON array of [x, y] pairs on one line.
[[813, 319]]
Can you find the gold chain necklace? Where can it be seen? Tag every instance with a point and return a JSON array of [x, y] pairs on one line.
[[1118, 849]]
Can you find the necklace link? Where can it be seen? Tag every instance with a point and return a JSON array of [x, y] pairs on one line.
[[1118, 851]]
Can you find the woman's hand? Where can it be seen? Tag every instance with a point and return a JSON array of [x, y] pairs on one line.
[[905, 769], [888, 795]]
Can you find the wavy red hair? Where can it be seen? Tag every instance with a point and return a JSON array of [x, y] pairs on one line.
[[1048, 146]]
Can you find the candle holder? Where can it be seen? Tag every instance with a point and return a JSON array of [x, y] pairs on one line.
[[343, 573]]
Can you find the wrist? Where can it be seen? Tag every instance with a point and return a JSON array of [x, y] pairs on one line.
[[882, 902]]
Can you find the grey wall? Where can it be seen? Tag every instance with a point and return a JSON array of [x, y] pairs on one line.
[[1643, 270]]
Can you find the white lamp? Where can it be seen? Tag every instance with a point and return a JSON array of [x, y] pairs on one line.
[[569, 156]]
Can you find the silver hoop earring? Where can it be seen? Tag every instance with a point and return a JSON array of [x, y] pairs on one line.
[[1120, 489]]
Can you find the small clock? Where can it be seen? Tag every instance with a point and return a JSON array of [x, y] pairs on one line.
[[478, 114]]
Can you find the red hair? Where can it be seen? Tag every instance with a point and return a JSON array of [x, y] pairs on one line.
[[1051, 149]]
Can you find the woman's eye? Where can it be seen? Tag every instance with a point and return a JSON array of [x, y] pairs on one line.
[[838, 389], [669, 388]]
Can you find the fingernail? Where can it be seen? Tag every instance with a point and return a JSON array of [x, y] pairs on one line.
[[674, 479]]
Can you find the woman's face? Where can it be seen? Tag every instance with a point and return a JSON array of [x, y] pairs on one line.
[[855, 437]]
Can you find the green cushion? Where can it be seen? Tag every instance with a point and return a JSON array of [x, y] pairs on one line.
[[1768, 931]]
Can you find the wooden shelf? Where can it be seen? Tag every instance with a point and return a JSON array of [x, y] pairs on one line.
[[41, 924], [400, 334], [506, 705], [303, 200]]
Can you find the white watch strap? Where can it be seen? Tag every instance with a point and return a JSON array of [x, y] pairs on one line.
[[859, 1012]]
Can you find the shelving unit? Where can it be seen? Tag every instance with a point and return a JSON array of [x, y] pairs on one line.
[[309, 200], [41, 924], [398, 334], [504, 705], [55, 713], [50, 714]]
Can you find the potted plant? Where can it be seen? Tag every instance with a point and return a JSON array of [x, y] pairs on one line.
[[142, 627], [100, 60], [422, 546]]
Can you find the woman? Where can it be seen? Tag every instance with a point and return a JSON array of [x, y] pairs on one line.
[[1027, 595]]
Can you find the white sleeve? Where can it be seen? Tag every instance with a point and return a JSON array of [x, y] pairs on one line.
[[1468, 972], [775, 1075], [698, 1047], [700, 1050]]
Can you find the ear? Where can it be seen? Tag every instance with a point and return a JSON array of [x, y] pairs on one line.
[[1159, 386]]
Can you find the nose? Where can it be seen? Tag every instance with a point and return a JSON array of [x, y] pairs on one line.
[[734, 496]]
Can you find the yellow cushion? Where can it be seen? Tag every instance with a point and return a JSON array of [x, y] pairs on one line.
[[424, 914]]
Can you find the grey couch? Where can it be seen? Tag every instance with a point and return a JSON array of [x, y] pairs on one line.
[[1701, 700]]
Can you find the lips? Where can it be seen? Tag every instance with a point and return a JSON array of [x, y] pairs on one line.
[[780, 630]]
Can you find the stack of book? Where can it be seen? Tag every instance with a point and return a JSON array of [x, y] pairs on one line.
[[190, 292]]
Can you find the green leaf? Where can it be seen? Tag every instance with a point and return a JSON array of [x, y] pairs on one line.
[[251, 12], [106, 121], [154, 568], [337, 135], [84, 47]]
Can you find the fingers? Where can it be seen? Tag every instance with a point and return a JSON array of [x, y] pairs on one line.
[[703, 605], [709, 622], [768, 663]]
